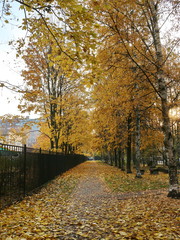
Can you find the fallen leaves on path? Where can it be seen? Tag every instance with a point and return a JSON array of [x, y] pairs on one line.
[[79, 205]]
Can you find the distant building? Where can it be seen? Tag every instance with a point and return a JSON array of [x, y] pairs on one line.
[[11, 131]]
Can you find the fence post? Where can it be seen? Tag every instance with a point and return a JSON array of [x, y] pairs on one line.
[[24, 190]]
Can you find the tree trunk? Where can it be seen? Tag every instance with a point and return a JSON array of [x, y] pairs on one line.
[[52, 143], [137, 144], [115, 157], [128, 169], [122, 161], [174, 190], [119, 158], [109, 158], [133, 154], [177, 139], [56, 142]]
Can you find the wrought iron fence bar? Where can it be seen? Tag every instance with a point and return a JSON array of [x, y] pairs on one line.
[[23, 169], [24, 155]]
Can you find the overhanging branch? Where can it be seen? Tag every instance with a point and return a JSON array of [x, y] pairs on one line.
[[48, 28]]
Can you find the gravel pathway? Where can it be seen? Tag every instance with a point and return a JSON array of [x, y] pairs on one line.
[[91, 190], [87, 204]]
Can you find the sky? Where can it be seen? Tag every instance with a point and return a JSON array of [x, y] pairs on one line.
[[10, 66]]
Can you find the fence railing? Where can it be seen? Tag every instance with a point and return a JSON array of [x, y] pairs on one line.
[[24, 169]]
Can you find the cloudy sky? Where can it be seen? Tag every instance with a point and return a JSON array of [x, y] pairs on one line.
[[10, 66]]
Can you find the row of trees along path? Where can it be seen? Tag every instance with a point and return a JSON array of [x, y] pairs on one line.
[[80, 205], [118, 58]]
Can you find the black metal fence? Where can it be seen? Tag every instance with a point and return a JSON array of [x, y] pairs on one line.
[[24, 169]]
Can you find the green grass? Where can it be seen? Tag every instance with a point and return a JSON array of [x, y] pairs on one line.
[[121, 182]]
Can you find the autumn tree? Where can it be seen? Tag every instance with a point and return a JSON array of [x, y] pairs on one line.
[[59, 40], [77, 126], [111, 113], [137, 26], [72, 19], [50, 78], [121, 90]]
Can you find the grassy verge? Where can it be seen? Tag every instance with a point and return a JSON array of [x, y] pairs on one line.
[[119, 181]]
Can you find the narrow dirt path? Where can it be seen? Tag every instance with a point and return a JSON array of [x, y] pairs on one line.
[[91, 190], [87, 204], [90, 212]]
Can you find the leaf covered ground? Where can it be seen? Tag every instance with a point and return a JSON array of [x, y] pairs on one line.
[[89, 202]]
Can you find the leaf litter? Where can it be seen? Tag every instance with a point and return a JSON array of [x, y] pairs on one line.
[[81, 205]]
